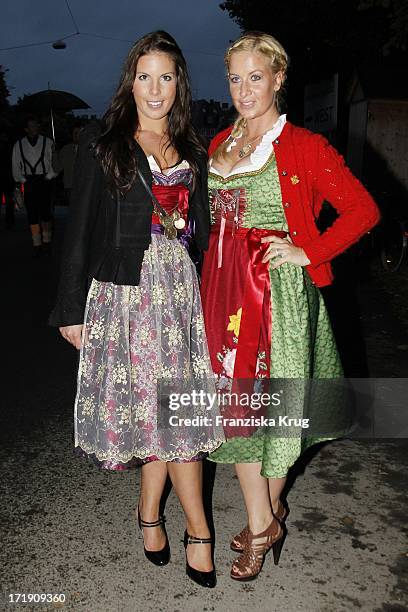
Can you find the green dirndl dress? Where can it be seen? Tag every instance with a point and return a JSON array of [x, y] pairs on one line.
[[301, 343]]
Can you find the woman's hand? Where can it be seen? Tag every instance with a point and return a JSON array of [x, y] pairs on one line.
[[282, 250], [73, 334]]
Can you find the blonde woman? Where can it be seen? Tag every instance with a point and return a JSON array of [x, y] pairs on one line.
[[264, 313]]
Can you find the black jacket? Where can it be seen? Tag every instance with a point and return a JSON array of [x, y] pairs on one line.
[[95, 245]]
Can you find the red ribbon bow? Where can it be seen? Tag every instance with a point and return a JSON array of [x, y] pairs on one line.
[[256, 286], [257, 283]]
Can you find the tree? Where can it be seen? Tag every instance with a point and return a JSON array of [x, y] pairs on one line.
[[327, 35], [4, 91], [397, 23]]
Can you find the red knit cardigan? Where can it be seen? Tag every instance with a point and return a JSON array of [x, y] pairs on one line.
[[311, 171]]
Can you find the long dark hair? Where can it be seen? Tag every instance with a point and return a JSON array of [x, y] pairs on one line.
[[116, 146]]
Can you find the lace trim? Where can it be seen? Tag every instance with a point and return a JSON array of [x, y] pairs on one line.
[[183, 165], [181, 175], [143, 453]]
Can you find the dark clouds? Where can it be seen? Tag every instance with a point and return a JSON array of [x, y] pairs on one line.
[[90, 67]]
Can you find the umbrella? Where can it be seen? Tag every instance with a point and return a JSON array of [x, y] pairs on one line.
[[53, 100]]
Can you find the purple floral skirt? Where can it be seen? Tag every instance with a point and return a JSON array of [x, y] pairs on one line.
[[133, 338]]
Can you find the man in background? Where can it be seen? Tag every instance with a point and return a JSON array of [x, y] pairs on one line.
[[32, 166]]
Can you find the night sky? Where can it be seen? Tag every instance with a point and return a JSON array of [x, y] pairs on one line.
[[90, 67]]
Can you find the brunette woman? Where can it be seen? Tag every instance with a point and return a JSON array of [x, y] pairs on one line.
[[141, 319]]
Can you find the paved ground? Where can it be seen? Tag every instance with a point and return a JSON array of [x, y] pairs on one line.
[[68, 528]]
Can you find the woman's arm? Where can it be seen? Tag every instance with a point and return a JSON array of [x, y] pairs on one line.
[[87, 183], [358, 213]]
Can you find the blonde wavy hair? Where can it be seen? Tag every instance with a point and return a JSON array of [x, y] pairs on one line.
[[266, 45]]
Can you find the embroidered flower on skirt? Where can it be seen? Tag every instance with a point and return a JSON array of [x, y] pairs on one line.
[[135, 336]]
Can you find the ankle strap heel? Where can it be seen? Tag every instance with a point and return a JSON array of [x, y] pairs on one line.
[[204, 579], [157, 557], [188, 539], [160, 521]]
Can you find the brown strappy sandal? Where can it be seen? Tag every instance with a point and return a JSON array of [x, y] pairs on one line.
[[238, 542], [248, 565]]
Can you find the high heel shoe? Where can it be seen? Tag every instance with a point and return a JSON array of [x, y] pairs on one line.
[[158, 557], [204, 579], [238, 541], [248, 565]]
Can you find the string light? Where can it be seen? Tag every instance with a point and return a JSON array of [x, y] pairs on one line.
[[38, 44]]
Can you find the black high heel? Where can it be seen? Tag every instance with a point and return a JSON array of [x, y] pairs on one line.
[[158, 557], [204, 579]]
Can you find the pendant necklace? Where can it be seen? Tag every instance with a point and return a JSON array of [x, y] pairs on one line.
[[247, 148]]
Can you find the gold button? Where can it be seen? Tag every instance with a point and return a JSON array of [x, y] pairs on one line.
[[286, 204], [277, 141], [294, 233], [284, 173]]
